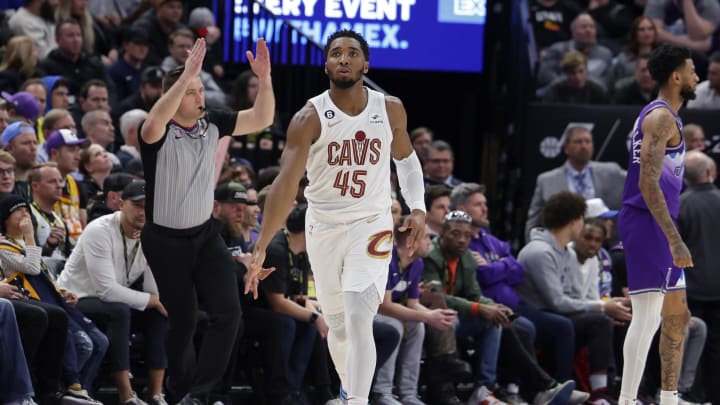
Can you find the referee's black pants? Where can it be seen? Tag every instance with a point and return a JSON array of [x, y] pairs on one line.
[[193, 266]]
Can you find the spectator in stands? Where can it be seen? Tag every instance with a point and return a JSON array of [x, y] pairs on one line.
[[437, 201], [597, 209], [439, 163], [579, 174], [46, 185], [707, 93], [551, 21], [37, 88], [643, 39], [451, 265], [19, 63], [113, 186], [96, 40], [250, 223], [22, 106], [55, 119], [20, 141], [158, 24], [63, 148], [231, 200], [7, 173], [59, 89], [4, 117], [70, 61], [129, 124], [639, 89], [402, 310], [95, 166], [15, 384], [687, 23], [98, 128], [420, 138], [613, 19], [117, 289], [583, 40], [36, 20], [21, 259], [699, 224], [549, 285], [94, 95], [127, 71], [202, 21], [694, 137], [181, 41], [150, 91], [576, 87]]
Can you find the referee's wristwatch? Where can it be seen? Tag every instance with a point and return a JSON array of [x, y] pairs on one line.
[[313, 317]]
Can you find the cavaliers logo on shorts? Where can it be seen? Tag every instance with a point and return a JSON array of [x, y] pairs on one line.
[[375, 248]]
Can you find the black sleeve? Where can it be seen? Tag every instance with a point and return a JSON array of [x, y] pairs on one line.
[[150, 147], [83, 191], [276, 282], [224, 120]]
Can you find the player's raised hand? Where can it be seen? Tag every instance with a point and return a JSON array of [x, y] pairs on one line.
[[415, 222], [681, 255], [193, 64], [260, 63], [256, 272]]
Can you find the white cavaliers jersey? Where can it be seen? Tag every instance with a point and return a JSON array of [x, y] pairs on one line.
[[349, 165]]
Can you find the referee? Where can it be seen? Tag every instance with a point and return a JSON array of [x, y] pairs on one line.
[[181, 241]]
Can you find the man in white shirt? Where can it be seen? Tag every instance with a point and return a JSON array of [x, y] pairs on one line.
[[707, 93], [109, 273]]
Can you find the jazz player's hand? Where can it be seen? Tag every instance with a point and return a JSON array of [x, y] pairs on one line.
[[415, 222], [260, 63], [256, 272], [681, 255]]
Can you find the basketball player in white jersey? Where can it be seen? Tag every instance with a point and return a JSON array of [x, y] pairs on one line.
[[345, 138]]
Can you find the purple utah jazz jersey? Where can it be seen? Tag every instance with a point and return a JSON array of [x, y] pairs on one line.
[[671, 178]]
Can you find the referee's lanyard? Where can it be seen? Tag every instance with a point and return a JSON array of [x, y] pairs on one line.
[[128, 262]]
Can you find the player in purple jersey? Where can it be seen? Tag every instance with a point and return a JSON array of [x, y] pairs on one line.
[[655, 253]]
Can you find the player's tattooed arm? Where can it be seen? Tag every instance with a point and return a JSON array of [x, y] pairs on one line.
[[659, 128]]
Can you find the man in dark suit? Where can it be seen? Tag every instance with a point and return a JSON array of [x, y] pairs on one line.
[[579, 174]]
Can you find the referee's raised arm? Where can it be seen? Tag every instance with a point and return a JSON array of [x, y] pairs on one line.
[[165, 108]]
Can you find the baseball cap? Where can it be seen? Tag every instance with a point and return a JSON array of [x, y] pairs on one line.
[[136, 36], [15, 129], [62, 137], [596, 208], [152, 74], [135, 191], [24, 103], [231, 192], [117, 182]]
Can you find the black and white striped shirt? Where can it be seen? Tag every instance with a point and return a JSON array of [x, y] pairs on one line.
[[179, 171]]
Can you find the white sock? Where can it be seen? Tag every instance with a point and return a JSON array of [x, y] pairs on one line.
[[337, 343], [647, 315], [668, 397], [360, 308], [598, 381]]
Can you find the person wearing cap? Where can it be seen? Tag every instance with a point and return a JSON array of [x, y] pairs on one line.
[[178, 143], [20, 258], [231, 200], [22, 106], [150, 91], [63, 148], [127, 70], [180, 41], [37, 88], [109, 272], [159, 24], [596, 208], [111, 195], [20, 141]]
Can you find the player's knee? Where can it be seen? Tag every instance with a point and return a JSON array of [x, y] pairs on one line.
[[336, 323]]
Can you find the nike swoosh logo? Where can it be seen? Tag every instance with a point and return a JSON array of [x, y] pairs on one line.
[[332, 124]]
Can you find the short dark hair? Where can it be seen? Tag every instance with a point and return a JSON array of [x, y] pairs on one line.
[[348, 34], [562, 208], [69, 20], [171, 77], [666, 59], [92, 82], [597, 222], [715, 57], [295, 222], [434, 192]]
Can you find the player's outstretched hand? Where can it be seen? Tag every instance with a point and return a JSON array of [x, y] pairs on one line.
[[681, 255], [256, 272], [260, 63], [193, 64], [415, 222]]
